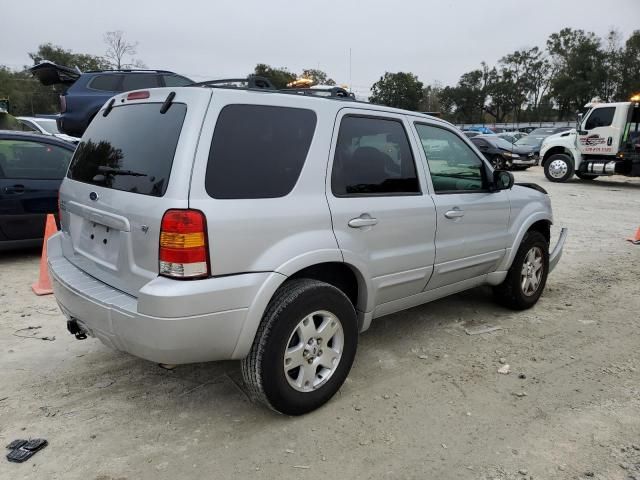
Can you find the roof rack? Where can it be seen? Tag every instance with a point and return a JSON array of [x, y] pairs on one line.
[[329, 92], [255, 82], [250, 82]]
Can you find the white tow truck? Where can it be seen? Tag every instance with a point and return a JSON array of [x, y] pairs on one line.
[[606, 141]]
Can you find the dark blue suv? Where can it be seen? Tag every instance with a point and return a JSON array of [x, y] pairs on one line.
[[87, 91]]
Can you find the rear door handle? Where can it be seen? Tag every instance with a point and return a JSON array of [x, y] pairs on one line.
[[364, 220], [455, 213], [17, 189]]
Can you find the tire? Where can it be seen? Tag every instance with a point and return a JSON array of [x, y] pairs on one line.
[[585, 176], [512, 293], [497, 162], [290, 389], [558, 168]]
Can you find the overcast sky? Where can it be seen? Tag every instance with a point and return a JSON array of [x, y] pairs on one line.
[[436, 39]]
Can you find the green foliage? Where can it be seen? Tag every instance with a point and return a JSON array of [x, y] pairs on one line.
[[400, 90], [60, 56], [318, 76], [278, 76]]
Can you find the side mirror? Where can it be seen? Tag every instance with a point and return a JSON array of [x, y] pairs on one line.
[[502, 180]]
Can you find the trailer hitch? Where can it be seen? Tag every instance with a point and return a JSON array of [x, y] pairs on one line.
[[76, 330]]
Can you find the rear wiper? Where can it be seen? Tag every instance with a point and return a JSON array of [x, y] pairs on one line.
[[117, 171]]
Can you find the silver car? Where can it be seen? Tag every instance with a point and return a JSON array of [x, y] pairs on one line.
[[204, 224]]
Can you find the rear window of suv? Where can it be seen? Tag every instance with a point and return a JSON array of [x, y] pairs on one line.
[[131, 149], [258, 151]]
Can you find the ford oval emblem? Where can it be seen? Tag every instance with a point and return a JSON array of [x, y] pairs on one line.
[[93, 196]]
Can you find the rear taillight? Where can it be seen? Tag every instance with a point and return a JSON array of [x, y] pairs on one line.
[[183, 245], [63, 104]]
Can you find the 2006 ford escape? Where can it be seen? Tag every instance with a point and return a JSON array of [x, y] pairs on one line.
[[205, 224]]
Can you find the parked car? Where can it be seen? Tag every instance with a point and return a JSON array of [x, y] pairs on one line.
[[483, 130], [31, 169], [535, 138], [87, 91], [504, 155], [512, 137], [47, 126], [202, 224], [471, 133]]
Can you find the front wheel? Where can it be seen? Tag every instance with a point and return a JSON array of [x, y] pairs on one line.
[[558, 167], [585, 176], [497, 162], [304, 347], [527, 276]]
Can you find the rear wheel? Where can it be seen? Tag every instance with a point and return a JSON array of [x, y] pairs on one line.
[[304, 347], [558, 167], [527, 276], [585, 176]]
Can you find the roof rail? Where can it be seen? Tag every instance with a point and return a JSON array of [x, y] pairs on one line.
[[252, 81], [255, 82], [330, 92]]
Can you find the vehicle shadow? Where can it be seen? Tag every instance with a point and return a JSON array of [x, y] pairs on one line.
[[601, 182]]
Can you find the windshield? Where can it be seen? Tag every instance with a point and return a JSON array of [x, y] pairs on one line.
[[530, 140], [48, 125], [131, 149], [502, 143]]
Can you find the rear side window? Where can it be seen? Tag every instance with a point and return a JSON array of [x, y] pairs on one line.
[[176, 81], [131, 149], [373, 157], [106, 83], [137, 81], [258, 151], [20, 159], [600, 117]]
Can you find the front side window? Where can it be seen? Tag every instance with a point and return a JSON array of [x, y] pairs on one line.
[[454, 167], [600, 117], [373, 157], [258, 151], [20, 159]]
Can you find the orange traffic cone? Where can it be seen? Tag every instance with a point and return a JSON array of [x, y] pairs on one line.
[[43, 285], [636, 239]]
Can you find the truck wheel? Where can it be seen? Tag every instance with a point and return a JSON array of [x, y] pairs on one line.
[[585, 176], [304, 347], [528, 274], [558, 167]]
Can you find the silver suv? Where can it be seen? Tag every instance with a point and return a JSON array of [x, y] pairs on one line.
[[204, 224]]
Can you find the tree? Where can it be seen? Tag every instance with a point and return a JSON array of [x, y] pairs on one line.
[[318, 76], [60, 56], [431, 100], [629, 68], [278, 76], [118, 49], [580, 70], [400, 90]]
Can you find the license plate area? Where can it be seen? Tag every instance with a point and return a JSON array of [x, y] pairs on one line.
[[100, 243]]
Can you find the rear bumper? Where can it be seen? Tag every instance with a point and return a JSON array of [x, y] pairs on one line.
[[556, 253], [120, 320]]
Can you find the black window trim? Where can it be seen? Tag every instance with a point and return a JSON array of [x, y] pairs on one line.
[[465, 140], [413, 155]]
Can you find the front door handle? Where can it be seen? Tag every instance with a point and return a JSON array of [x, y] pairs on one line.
[[364, 220], [455, 213], [17, 189]]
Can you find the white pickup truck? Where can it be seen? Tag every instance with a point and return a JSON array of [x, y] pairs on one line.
[[605, 142]]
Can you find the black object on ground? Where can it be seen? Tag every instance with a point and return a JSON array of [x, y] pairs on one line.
[[22, 450]]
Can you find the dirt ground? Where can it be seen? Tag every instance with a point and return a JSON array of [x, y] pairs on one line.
[[423, 401]]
